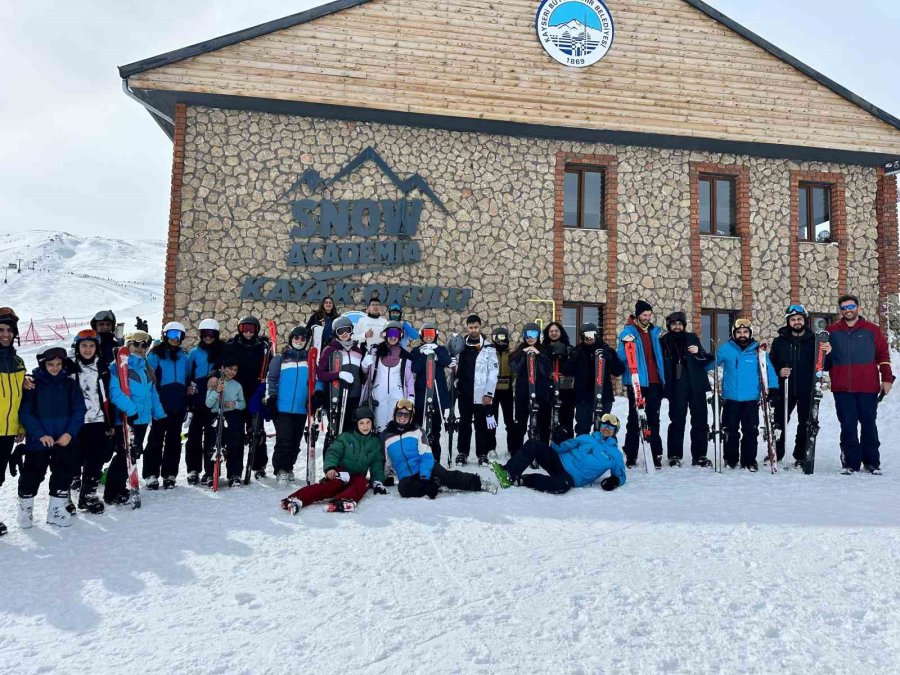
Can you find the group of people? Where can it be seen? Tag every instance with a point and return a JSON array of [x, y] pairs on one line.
[[76, 417]]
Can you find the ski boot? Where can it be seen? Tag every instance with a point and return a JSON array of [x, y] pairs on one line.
[[674, 462], [57, 514], [702, 462], [502, 475], [291, 505], [192, 478], [461, 460], [206, 480], [70, 505], [874, 470], [76, 484], [259, 475], [121, 499], [752, 467], [281, 477], [657, 462], [25, 516], [90, 503], [3, 529], [291, 478], [483, 460], [340, 506], [390, 480], [235, 481], [152, 483], [168, 482]]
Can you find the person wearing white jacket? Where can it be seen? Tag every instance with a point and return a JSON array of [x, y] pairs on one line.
[[369, 328], [476, 382]]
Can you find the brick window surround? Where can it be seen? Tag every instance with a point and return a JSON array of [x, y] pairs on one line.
[[741, 176], [838, 225], [888, 254], [174, 213], [609, 164]]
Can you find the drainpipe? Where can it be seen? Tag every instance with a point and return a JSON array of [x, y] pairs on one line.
[[150, 108]]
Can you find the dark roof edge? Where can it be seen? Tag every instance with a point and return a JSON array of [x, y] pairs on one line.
[[166, 100], [238, 36], [779, 53]]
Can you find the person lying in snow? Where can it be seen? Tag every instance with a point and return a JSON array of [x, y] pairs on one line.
[[347, 461], [577, 462]]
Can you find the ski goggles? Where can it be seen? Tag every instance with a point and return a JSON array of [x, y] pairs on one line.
[[87, 334], [795, 309], [209, 333], [500, 338], [429, 334], [395, 333], [609, 421], [848, 307], [532, 334], [404, 405], [143, 344], [590, 335], [742, 323], [245, 327], [343, 331], [174, 334]]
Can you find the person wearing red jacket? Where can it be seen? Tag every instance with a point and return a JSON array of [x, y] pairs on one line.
[[860, 367]]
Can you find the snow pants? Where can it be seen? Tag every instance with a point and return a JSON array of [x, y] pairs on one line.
[[332, 489], [740, 422], [681, 401], [7, 443], [857, 414], [516, 437], [502, 401], [652, 401], [413, 486], [802, 407], [290, 429], [93, 451], [63, 463], [117, 473], [469, 414], [201, 438], [436, 424], [233, 440], [567, 411], [261, 452], [584, 414], [557, 483], [163, 454]]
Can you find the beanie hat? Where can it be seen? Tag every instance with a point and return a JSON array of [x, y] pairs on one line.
[[676, 316], [642, 306]]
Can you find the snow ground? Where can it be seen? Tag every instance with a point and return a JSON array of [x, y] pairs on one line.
[[680, 572]]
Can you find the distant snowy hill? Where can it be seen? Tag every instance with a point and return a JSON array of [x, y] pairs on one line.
[[65, 279]]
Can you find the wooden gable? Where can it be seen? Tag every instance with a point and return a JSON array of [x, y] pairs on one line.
[[672, 70]]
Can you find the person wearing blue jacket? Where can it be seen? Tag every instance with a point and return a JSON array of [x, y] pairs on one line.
[[418, 360], [576, 462], [202, 361], [140, 407], [288, 400], [640, 329], [739, 358], [52, 413], [419, 473], [170, 365]]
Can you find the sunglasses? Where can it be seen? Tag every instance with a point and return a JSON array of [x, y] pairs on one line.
[[143, 344], [404, 405], [848, 308], [532, 334], [209, 333]]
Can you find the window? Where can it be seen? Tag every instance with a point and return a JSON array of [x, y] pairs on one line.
[[819, 322], [716, 326], [583, 198], [576, 315], [814, 213], [717, 214]]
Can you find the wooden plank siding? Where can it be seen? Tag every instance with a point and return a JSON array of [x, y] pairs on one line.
[[671, 70]]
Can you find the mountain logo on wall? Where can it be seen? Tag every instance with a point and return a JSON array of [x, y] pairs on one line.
[[575, 33]]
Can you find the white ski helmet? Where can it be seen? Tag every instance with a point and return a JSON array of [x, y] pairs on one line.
[[174, 325], [209, 324]]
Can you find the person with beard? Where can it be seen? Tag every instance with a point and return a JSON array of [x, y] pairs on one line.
[[585, 350], [531, 344], [370, 327], [94, 445], [170, 365], [860, 367], [104, 324], [740, 394], [793, 357], [324, 316], [503, 396], [442, 360], [12, 377], [419, 474], [203, 360], [476, 378], [640, 329], [686, 363], [350, 372], [251, 352]]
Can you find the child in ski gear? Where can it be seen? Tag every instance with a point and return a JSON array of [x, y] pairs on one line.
[[352, 456], [350, 372], [104, 324], [577, 462], [12, 377], [324, 316], [652, 379], [410, 334], [503, 395], [233, 405], [442, 360], [94, 445], [562, 370], [589, 345], [139, 407], [539, 427], [685, 364], [476, 380], [418, 473], [52, 413], [203, 360], [252, 353], [370, 328], [740, 393], [389, 375], [169, 362], [288, 399], [860, 367]]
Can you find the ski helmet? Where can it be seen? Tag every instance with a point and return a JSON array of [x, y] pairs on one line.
[[342, 323], [8, 318], [610, 420], [364, 412], [174, 330], [300, 331], [248, 321], [86, 335], [138, 336], [395, 309], [103, 315], [456, 344], [50, 354], [392, 325], [796, 310], [429, 326], [209, 324], [742, 323], [500, 333], [589, 328], [531, 327], [676, 316]]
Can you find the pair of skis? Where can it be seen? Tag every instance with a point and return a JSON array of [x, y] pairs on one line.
[[640, 404], [134, 488], [257, 434], [455, 345]]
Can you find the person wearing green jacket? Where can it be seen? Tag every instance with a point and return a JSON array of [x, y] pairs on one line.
[[349, 459]]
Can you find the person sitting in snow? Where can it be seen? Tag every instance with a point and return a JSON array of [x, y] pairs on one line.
[[348, 460], [577, 462], [418, 473]]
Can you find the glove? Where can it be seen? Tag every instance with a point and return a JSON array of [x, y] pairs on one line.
[[272, 405], [610, 483], [427, 349], [430, 487], [17, 460], [368, 361], [132, 420], [346, 377], [378, 487], [319, 399], [343, 476], [491, 422]]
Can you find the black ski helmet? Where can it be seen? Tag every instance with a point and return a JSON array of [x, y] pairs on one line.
[[251, 321], [103, 315], [589, 328], [300, 331], [364, 412], [501, 333], [50, 354], [456, 344], [533, 327]]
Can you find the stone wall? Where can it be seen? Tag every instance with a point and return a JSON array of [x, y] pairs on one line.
[[498, 238]]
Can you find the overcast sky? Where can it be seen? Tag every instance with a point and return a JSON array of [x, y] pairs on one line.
[[78, 155]]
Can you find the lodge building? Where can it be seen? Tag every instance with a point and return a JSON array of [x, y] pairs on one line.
[[517, 158]]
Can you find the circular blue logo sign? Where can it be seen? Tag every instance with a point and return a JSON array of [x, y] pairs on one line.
[[576, 33]]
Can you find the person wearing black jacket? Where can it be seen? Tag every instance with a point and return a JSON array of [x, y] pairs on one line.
[[324, 316], [104, 324], [515, 436], [686, 386], [589, 345], [418, 361], [559, 350], [793, 357]]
